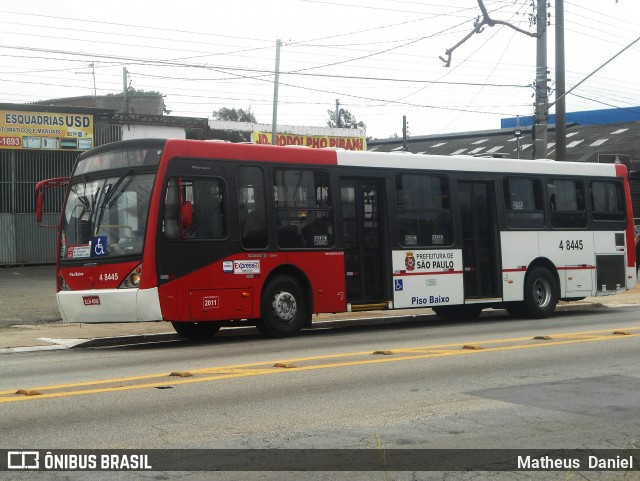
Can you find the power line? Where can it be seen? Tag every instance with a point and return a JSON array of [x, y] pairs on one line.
[[351, 77]]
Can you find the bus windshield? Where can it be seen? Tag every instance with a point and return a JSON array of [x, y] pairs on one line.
[[106, 216]]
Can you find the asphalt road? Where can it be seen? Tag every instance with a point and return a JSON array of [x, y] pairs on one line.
[[28, 295], [577, 389]]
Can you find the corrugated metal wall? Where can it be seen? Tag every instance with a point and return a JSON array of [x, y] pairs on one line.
[[106, 133], [21, 240]]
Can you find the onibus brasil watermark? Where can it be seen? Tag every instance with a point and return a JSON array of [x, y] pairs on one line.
[[34, 460], [320, 460]]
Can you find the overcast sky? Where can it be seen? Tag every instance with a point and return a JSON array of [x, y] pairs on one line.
[[380, 58]]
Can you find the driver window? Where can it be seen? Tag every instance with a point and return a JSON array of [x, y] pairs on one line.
[[194, 209]]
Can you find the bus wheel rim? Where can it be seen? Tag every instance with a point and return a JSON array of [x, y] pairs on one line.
[[542, 292], [284, 306]]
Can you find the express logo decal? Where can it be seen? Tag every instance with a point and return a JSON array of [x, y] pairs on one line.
[[246, 267]]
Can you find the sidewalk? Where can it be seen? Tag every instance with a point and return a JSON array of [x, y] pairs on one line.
[[29, 317]]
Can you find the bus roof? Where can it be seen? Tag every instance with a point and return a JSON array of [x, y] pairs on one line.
[[387, 160], [475, 164]]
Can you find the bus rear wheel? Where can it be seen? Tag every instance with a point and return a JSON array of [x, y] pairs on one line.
[[283, 308], [540, 293], [196, 331], [458, 313]]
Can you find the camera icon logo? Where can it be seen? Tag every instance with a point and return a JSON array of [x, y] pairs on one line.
[[23, 460]]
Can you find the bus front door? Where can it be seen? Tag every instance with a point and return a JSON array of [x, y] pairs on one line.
[[363, 241], [480, 241]]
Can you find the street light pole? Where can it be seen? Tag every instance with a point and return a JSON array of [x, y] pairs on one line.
[[541, 112], [561, 110], [274, 121]]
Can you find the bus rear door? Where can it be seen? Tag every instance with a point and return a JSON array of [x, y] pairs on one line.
[[480, 241], [366, 259]]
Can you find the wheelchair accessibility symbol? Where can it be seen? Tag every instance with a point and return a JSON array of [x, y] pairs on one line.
[[399, 285], [98, 246]]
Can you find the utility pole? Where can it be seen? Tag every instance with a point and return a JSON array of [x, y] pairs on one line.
[[337, 113], [541, 106], [125, 88], [95, 92], [517, 134], [405, 144], [561, 110], [274, 121]]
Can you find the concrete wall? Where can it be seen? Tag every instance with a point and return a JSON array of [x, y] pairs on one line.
[[152, 132]]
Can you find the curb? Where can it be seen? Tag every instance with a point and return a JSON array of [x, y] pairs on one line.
[[235, 331], [250, 330]]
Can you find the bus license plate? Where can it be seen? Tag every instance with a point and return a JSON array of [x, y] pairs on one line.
[[91, 300]]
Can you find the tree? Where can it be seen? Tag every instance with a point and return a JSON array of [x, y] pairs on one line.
[[478, 27], [232, 115], [347, 120], [137, 93]]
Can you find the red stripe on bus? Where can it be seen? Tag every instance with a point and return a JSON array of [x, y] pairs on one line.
[[560, 268], [426, 273], [575, 268]]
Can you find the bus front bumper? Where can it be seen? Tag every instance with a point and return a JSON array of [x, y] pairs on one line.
[[110, 305]]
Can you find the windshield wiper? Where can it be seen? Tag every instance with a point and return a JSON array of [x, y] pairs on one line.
[[109, 194]]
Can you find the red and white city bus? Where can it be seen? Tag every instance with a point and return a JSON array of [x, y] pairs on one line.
[[206, 233]]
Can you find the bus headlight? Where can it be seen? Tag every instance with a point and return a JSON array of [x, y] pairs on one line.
[[132, 281], [63, 284]]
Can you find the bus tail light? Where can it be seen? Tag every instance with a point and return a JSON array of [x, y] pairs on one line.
[[132, 281]]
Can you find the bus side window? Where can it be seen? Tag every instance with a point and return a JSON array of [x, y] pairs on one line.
[[171, 214], [607, 202], [254, 230], [194, 209], [319, 232], [186, 216], [424, 211], [566, 203], [523, 203], [252, 203], [302, 203], [208, 217]]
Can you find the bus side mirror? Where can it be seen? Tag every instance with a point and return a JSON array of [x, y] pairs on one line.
[[39, 202], [41, 187]]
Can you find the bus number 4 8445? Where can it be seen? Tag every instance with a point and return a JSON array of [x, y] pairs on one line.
[[111, 276], [571, 245]]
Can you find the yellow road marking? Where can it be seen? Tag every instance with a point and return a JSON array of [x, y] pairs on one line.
[[362, 358]]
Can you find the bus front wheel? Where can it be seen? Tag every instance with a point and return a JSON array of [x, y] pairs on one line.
[[540, 293], [283, 308], [196, 331]]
